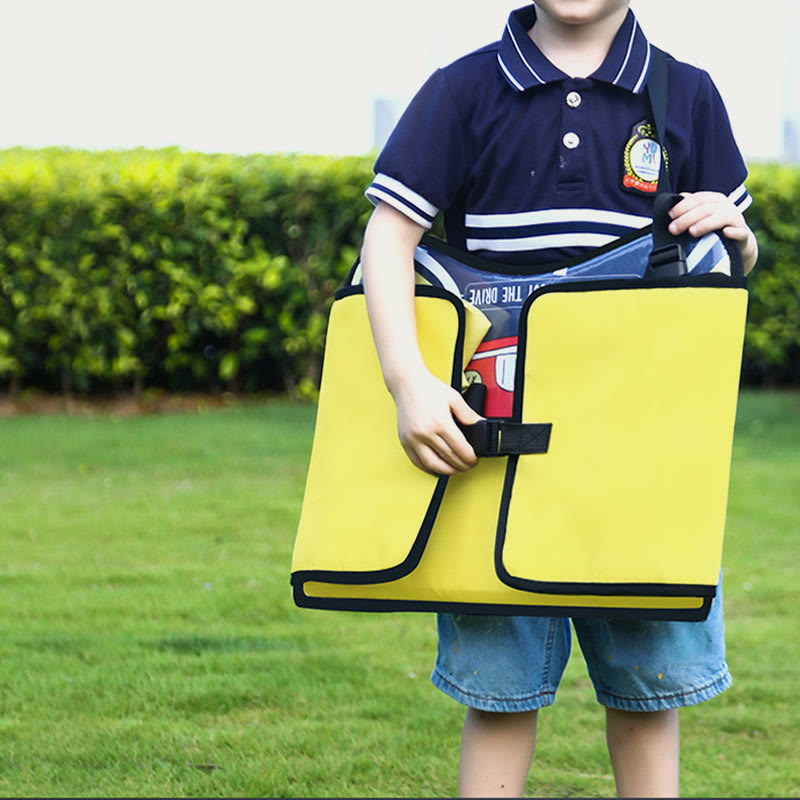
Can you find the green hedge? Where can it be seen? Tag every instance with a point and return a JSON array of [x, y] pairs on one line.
[[772, 342], [159, 268], [122, 270]]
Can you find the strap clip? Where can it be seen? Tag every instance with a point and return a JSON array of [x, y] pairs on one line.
[[499, 437], [667, 261]]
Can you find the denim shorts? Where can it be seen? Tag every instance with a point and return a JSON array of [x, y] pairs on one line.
[[507, 663]]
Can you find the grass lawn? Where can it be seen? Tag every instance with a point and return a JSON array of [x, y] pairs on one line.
[[149, 645]]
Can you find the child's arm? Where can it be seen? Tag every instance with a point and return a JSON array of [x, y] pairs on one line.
[[425, 405], [703, 212]]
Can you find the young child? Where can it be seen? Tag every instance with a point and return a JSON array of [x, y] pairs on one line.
[[536, 149]]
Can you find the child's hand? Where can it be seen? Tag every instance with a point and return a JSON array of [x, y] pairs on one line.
[[700, 213], [429, 435]]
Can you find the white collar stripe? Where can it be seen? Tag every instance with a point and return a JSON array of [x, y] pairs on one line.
[[627, 54], [522, 57], [511, 79], [524, 65], [645, 69]]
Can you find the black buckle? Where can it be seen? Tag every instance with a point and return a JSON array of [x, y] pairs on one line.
[[669, 261], [501, 437], [484, 436]]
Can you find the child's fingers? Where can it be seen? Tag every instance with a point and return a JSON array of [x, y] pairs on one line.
[[692, 199], [736, 232], [441, 455], [702, 213], [685, 214], [701, 221], [452, 447], [463, 411], [428, 460], [466, 415], [427, 410], [439, 448], [456, 451]]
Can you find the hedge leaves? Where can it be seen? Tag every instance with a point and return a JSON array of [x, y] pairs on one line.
[[120, 270]]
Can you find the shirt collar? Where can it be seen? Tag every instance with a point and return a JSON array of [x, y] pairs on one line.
[[524, 65]]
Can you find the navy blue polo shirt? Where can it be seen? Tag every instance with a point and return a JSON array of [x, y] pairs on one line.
[[529, 165]]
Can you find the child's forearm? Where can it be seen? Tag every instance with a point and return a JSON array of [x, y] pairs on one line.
[[426, 407], [387, 262]]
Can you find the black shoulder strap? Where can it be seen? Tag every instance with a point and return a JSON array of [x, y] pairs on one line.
[[657, 92], [667, 258]]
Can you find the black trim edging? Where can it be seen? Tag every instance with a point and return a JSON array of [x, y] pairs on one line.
[[303, 600]]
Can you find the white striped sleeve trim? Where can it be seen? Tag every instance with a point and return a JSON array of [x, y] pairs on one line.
[[376, 195], [740, 197], [397, 194], [393, 185]]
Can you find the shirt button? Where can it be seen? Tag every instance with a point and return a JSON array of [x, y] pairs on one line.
[[571, 140], [573, 99]]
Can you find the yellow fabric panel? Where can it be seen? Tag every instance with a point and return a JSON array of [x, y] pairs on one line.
[[457, 565], [641, 388], [364, 500]]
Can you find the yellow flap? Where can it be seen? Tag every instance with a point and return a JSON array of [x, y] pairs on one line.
[[365, 502], [641, 388]]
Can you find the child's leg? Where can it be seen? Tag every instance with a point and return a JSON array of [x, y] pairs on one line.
[[508, 667], [644, 748], [496, 753], [642, 672]]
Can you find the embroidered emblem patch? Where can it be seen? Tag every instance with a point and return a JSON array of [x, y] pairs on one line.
[[641, 159]]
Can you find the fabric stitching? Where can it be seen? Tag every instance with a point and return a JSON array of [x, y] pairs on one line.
[[716, 682], [546, 693]]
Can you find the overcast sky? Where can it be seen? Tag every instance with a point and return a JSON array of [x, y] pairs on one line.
[[289, 75]]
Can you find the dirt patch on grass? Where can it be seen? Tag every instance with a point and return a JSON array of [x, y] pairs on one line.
[[150, 402]]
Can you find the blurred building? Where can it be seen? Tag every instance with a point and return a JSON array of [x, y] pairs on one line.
[[791, 83], [385, 113]]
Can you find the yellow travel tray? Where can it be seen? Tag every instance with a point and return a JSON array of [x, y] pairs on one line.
[[612, 499]]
